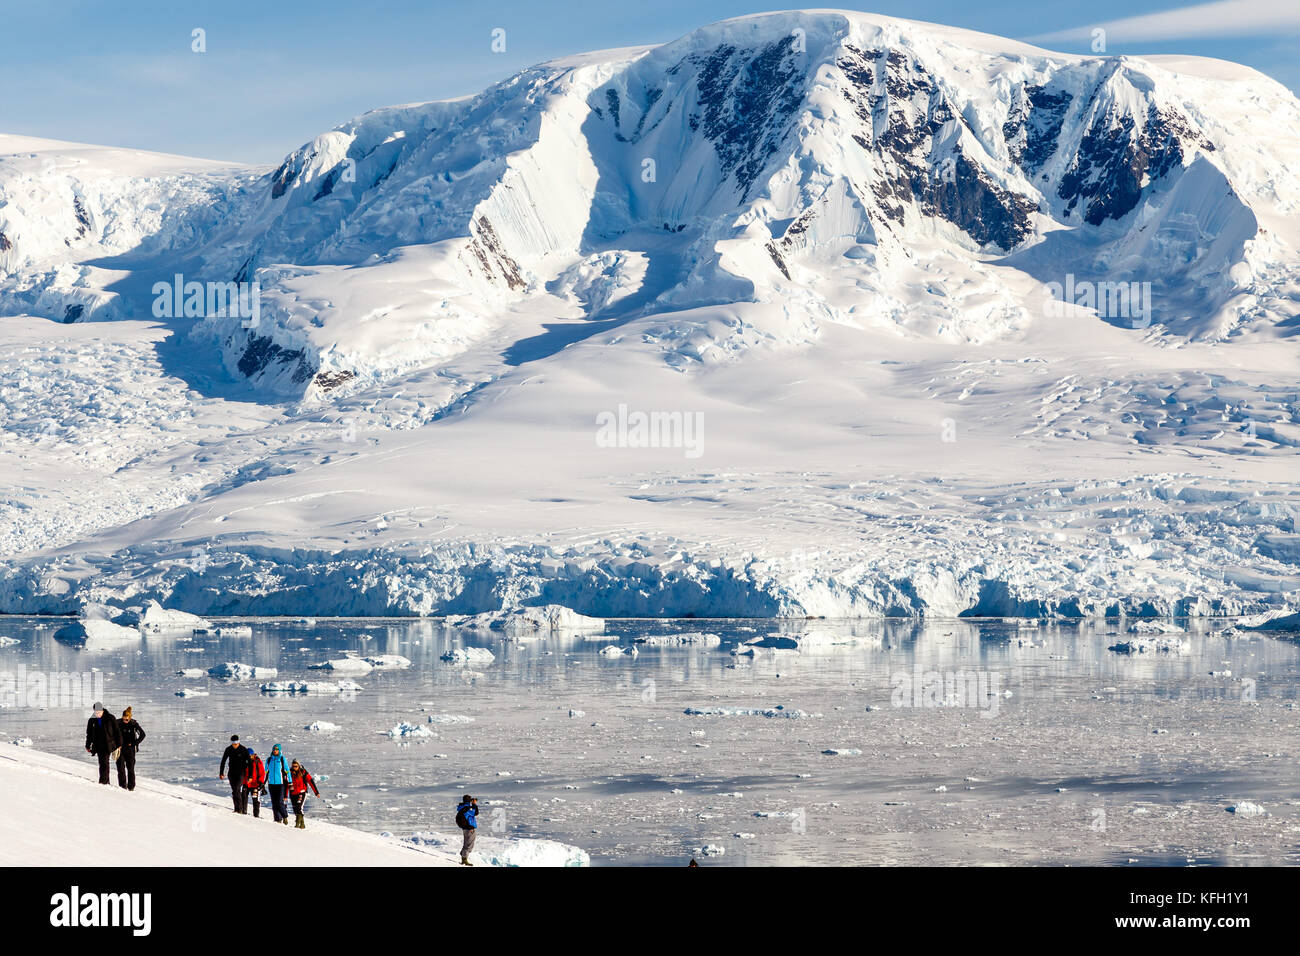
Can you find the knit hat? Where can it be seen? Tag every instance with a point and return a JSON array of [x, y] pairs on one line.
[[234, 737], [99, 706]]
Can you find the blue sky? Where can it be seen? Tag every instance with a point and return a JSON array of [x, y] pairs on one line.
[[278, 72]]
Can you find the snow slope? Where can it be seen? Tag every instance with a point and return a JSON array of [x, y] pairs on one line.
[[46, 820], [827, 238]]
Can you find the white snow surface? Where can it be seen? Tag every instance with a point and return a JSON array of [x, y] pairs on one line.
[[52, 811], [885, 416]]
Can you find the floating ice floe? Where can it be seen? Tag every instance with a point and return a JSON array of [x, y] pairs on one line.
[[613, 650], [468, 655], [226, 630], [1283, 619], [345, 665], [710, 849], [1151, 645], [497, 851], [777, 711], [155, 617], [8, 641], [388, 662], [1154, 627], [448, 719], [321, 727], [524, 622], [1247, 809], [310, 687], [837, 752], [23, 742], [577, 713], [694, 639], [96, 634], [811, 640], [193, 673], [405, 730], [235, 671], [191, 692]]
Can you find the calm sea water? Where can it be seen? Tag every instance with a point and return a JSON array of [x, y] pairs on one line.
[[569, 744]]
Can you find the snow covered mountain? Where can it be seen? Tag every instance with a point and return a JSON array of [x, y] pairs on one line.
[[798, 158], [825, 232]]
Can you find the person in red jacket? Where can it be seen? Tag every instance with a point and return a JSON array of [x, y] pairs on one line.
[[299, 782], [255, 781]]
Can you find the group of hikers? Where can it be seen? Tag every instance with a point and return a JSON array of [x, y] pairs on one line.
[[117, 739], [114, 739], [251, 778]]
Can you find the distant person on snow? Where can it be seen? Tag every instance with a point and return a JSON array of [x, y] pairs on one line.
[[467, 820], [132, 735], [277, 781], [103, 738], [254, 783], [299, 782], [237, 756]]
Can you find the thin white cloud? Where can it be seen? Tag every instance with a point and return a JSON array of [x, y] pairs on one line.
[[1224, 18]]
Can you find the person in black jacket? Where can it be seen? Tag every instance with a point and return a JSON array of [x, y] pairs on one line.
[[132, 735], [237, 756], [102, 738]]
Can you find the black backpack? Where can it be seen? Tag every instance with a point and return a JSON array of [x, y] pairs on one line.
[[460, 817]]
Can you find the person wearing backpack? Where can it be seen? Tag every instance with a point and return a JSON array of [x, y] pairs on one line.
[[299, 782], [467, 820], [237, 756], [132, 735], [103, 738], [277, 781], [254, 783]]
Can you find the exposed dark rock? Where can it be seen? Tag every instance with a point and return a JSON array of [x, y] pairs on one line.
[[747, 106], [488, 249], [611, 97], [1033, 130], [261, 353], [327, 184], [327, 381], [776, 257], [902, 110], [83, 218], [281, 179], [1107, 174]]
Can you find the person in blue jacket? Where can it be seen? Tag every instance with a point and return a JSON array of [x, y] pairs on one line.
[[277, 781], [467, 820]]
